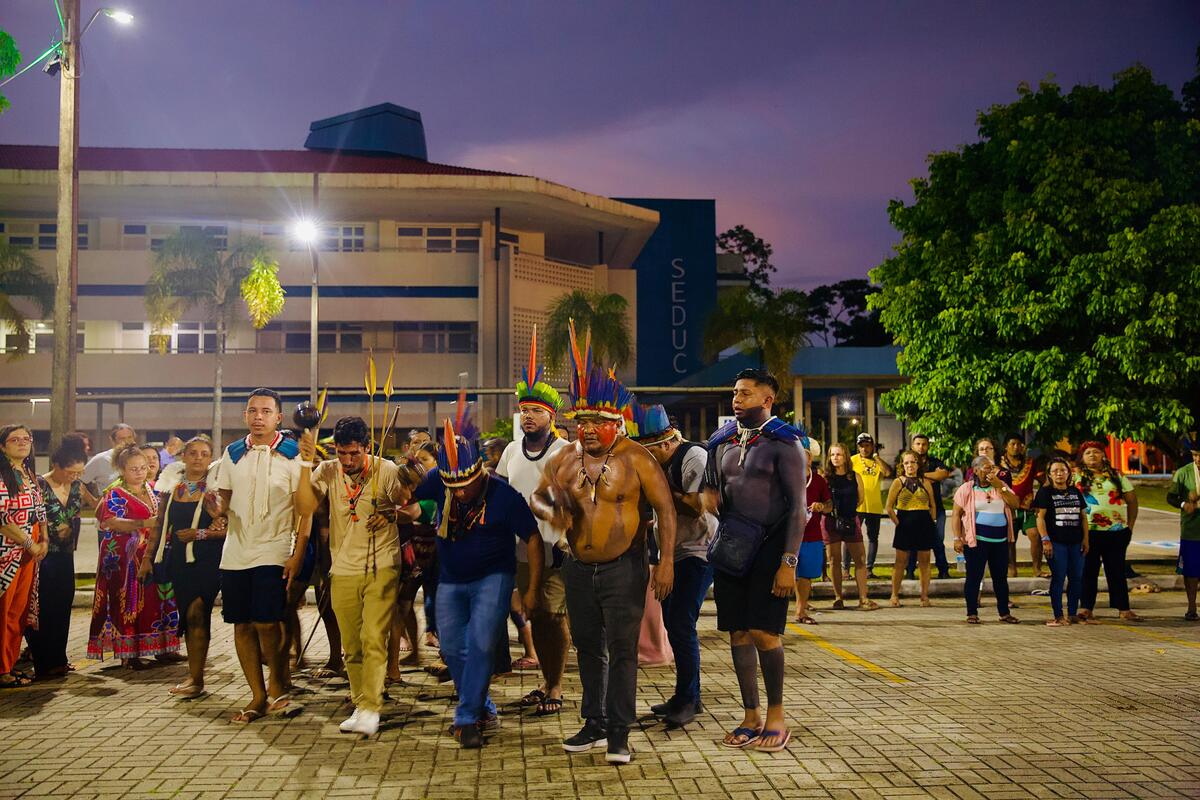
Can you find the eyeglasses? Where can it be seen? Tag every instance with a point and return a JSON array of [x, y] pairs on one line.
[[19, 440]]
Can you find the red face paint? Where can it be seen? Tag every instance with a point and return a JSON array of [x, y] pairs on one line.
[[606, 432]]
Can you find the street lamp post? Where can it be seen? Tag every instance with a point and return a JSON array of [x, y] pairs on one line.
[[309, 233], [66, 295]]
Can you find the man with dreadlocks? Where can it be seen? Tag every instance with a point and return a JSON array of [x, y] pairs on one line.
[[522, 465], [480, 516], [595, 490]]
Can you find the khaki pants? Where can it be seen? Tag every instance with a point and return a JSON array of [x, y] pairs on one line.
[[364, 606]]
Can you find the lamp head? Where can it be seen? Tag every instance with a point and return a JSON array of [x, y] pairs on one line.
[[119, 16]]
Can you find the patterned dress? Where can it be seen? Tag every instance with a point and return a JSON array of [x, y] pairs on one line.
[[132, 617], [27, 510]]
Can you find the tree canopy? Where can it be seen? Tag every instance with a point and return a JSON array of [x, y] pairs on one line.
[[1047, 274], [604, 315], [839, 315], [10, 59]]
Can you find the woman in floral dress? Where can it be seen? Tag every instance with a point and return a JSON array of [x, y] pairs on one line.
[[133, 617]]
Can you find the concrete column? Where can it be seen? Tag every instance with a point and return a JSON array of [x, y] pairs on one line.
[[833, 419], [705, 430], [431, 418], [870, 401], [808, 415]]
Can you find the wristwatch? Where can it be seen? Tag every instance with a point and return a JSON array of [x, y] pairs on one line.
[[790, 559]]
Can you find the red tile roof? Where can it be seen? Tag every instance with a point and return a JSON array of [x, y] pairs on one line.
[[165, 159]]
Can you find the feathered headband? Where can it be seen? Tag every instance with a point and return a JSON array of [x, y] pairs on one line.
[[459, 460], [649, 424], [595, 391], [531, 388]]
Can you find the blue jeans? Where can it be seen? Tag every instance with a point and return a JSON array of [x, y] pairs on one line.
[[680, 612], [994, 557], [1066, 567], [470, 616]]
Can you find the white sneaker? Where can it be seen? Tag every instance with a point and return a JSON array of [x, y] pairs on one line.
[[367, 724], [351, 724]]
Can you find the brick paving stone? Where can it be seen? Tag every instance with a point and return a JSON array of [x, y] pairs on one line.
[[962, 724]]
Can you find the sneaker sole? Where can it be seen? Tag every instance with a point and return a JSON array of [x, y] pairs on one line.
[[617, 758], [583, 748]]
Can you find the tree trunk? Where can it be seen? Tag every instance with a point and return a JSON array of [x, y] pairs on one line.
[[218, 432]]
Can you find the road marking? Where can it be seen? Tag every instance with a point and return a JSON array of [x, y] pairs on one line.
[[846, 655]]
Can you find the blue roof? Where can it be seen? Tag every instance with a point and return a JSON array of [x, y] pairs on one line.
[[385, 128], [808, 361]]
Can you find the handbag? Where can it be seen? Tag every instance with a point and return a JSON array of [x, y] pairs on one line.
[[843, 526], [735, 544]]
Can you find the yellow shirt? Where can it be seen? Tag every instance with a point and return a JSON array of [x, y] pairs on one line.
[[913, 501], [872, 474]]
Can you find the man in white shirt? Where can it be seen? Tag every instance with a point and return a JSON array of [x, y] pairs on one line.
[[256, 483], [99, 471], [521, 465]]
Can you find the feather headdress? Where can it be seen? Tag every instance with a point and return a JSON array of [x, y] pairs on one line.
[[595, 390], [531, 388], [459, 460], [650, 424]]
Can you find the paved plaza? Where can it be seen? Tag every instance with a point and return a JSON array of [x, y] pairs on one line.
[[896, 703]]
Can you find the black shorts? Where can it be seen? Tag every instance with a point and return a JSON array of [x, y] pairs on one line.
[[917, 531], [253, 595], [748, 603]]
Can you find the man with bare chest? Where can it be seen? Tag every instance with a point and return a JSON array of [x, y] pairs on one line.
[[756, 477], [594, 490]]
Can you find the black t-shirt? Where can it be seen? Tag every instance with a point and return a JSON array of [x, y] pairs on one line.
[[1063, 508]]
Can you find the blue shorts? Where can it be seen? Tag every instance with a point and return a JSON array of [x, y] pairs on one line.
[[812, 560], [1189, 558]]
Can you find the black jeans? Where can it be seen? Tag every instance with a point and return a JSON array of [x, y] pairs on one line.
[[993, 556], [1108, 547], [56, 590], [605, 603]]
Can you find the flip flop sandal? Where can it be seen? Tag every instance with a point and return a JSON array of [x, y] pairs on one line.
[[549, 707], [752, 735], [187, 692], [1192, 616], [246, 716], [973, 620], [838, 605], [1010, 619], [1133, 618], [806, 620], [287, 710], [774, 748], [1053, 623], [324, 674], [870, 605], [15, 681], [534, 698], [525, 663]]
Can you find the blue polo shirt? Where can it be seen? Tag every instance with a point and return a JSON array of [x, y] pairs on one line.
[[488, 548]]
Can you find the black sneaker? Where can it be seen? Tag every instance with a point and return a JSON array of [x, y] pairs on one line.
[[662, 709], [469, 737], [489, 724], [944, 575], [592, 734], [681, 715], [618, 747]]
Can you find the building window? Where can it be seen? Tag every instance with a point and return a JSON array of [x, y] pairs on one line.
[[293, 337], [218, 233], [436, 337], [48, 236], [344, 239], [21, 241], [439, 239], [134, 230]]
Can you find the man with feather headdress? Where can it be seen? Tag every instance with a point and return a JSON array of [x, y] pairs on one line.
[[595, 490]]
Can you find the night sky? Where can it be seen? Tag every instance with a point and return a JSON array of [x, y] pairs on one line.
[[802, 119]]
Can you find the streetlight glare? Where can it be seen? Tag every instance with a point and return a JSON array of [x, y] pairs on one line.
[[305, 230], [123, 17]]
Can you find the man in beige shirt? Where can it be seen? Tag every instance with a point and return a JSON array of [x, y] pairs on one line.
[[364, 545]]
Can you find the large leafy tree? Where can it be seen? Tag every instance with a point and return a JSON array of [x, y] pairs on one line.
[[21, 277], [1047, 275], [838, 314], [191, 270], [10, 59], [605, 316], [771, 325], [755, 252]]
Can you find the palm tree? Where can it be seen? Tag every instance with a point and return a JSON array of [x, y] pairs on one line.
[[771, 324], [20, 276], [190, 270], [603, 315]]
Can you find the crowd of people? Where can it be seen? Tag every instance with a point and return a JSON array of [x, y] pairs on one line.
[[601, 544]]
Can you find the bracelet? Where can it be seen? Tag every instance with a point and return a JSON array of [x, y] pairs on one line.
[[27, 545], [201, 534], [1046, 540]]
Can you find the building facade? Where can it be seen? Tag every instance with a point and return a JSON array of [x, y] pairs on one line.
[[448, 267]]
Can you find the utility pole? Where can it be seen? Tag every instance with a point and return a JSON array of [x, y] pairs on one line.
[[66, 299]]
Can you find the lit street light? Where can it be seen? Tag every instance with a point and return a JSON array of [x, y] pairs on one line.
[[308, 233]]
